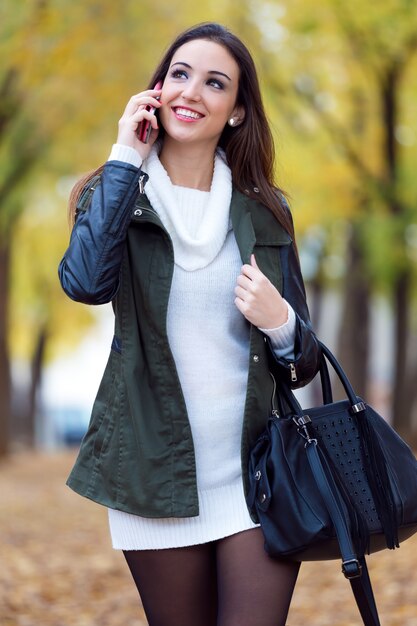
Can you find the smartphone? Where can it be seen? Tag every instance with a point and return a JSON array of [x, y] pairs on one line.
[[144, 128]]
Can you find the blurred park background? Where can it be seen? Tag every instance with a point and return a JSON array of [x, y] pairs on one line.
[[340, 86]]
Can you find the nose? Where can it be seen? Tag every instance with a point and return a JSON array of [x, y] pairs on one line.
[[191, 91]]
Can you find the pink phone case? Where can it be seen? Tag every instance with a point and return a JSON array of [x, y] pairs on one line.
[[144, 129]]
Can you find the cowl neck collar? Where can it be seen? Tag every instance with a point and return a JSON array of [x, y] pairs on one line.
[[197, 221]]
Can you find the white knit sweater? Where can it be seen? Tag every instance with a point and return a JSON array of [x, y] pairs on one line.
[[209, 339]]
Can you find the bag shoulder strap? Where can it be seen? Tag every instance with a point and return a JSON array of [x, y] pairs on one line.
[[353, 567]]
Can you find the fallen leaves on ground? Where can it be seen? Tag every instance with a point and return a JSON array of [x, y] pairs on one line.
[[58, 567]]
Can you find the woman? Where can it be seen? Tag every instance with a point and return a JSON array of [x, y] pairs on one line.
[[194, 246]]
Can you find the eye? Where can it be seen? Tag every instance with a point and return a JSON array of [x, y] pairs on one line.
[[178, 74], [215, 83]]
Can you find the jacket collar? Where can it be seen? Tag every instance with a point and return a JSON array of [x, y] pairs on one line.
[[253, 223]]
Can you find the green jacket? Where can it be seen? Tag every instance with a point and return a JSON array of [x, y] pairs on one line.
[[138, 454]]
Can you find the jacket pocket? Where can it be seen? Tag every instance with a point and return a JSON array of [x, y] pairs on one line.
[[104, 417]]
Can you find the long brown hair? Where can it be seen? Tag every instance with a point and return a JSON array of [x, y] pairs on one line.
[[249, 147]]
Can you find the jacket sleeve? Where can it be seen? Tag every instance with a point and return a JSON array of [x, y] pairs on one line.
[[89, 271], [302, 369]]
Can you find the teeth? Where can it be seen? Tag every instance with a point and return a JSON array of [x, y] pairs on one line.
[[187, 113]]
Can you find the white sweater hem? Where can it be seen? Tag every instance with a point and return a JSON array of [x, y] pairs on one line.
[[223, 512]]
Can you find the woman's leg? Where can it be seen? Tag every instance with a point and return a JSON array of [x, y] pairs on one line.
[[177, 586], [253, 588]]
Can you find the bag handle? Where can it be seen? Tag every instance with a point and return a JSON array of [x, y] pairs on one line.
[[357, 405], [326, 385]]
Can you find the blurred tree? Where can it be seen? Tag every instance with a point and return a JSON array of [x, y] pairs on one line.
[[45, 324], [384, 44], [47, 63], [15, 168]]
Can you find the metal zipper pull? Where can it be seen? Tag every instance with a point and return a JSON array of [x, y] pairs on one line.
[[142, 180], [293, 373], [274, 410]]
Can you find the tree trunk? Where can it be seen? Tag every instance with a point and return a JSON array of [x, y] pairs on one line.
[[34, 385], [5, 378], [411, 393], [354, 330], [315, 300], [401, 402]]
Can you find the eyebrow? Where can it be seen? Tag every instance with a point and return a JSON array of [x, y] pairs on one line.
[[209, 72]]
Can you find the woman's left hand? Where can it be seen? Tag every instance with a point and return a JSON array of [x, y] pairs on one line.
[[257, 298]]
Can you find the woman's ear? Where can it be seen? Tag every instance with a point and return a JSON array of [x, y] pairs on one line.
[[238, 115]]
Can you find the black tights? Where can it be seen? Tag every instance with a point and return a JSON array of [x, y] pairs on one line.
[[230, 582]]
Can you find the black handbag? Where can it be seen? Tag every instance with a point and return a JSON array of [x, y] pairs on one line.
[[333, 481]]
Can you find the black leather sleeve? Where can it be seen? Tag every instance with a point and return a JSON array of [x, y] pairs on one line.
[[89, 271], [306, 363]]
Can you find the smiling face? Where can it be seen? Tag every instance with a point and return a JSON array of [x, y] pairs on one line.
[[199, 93]]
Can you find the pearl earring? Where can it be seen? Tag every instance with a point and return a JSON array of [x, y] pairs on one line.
[[232, 121]]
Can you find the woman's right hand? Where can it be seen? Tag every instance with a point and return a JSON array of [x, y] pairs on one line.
[[134, 113]]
